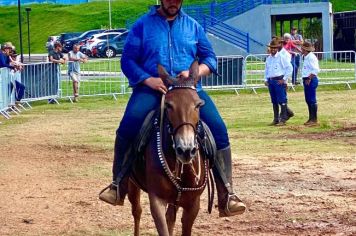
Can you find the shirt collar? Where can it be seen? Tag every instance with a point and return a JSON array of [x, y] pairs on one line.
[[308, 55], [275, 55]]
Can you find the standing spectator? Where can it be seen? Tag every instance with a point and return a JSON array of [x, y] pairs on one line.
[[50, 44], [297, 39], [278, 70], [15, 60], [286, 54], [5, 52], [294, 50], [74, 58], [310, 71], [56, 55]]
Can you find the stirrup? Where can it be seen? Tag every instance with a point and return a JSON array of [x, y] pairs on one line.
[[117, 200], [232, 196]]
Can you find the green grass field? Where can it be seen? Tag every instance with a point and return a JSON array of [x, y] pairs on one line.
[[50, 19], [246, 115]]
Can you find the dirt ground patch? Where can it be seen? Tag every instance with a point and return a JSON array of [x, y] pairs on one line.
[[49, 186]]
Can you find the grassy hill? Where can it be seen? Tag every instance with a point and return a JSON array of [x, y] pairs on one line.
[[50, 19]]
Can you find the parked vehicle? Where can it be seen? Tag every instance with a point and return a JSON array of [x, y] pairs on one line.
[[113, 47], [119, 30], [68, 44], [65, 36], [96, 38]]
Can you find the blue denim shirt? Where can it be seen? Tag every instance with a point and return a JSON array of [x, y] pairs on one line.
[[151, 41]]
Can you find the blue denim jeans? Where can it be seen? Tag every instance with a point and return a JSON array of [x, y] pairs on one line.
[[295, 63], [310, 90], [144, 99], [277, 92]]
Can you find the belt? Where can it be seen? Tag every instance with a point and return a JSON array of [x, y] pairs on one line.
[[277, 77]]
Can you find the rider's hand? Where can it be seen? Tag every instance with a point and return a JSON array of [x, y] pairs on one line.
[[266, 83], [156, 84]]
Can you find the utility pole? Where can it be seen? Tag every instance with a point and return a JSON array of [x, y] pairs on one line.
[[20, 29]]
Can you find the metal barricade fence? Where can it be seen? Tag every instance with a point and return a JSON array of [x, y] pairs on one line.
[[4, 91], [336, 67], [41, 81], [254, 71], [98, 77], [229, 74], [7, 93]]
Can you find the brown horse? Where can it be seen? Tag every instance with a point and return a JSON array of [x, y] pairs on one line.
[[174, 172]]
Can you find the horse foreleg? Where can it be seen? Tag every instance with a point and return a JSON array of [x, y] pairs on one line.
[[134, 195], [158, 210], [188, 217], [171, 217]]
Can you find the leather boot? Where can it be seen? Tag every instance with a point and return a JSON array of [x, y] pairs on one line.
[[313, 121], [115, 193], [310, 114], [275, 114], [290, 113], [228, 203], [284, 115]]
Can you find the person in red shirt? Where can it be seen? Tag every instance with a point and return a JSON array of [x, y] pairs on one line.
[[294, 50]]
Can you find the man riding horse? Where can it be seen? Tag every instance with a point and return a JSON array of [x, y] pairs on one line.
[[168, 36]]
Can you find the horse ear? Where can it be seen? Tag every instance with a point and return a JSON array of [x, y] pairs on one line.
[[163, 74], [194, 72]]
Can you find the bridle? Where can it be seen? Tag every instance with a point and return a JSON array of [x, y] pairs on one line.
[[159, 128]]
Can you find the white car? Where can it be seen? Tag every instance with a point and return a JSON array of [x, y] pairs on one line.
[[96, 38]]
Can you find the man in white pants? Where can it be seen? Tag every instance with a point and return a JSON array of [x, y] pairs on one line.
[[74, 58]]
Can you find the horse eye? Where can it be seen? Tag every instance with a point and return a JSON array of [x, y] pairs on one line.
[[198, 105], [168, 106]]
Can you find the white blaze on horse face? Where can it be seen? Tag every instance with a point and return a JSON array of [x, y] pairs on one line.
[[185, 142]]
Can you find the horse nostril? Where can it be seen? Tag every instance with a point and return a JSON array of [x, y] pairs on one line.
[[193, 152], [180, 151]]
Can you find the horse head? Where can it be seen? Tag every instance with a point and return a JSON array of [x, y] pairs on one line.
[[182, 105]]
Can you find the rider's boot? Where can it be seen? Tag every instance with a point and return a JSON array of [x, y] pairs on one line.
[[115, 193], [228, 203]]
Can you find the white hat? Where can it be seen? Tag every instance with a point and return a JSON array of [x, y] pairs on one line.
[[287, 35]]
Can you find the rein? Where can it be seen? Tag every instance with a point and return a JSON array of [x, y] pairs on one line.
[[163, 159]]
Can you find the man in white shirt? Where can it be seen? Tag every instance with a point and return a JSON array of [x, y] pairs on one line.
[[278, 70], [310, 71], [75, 57]]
